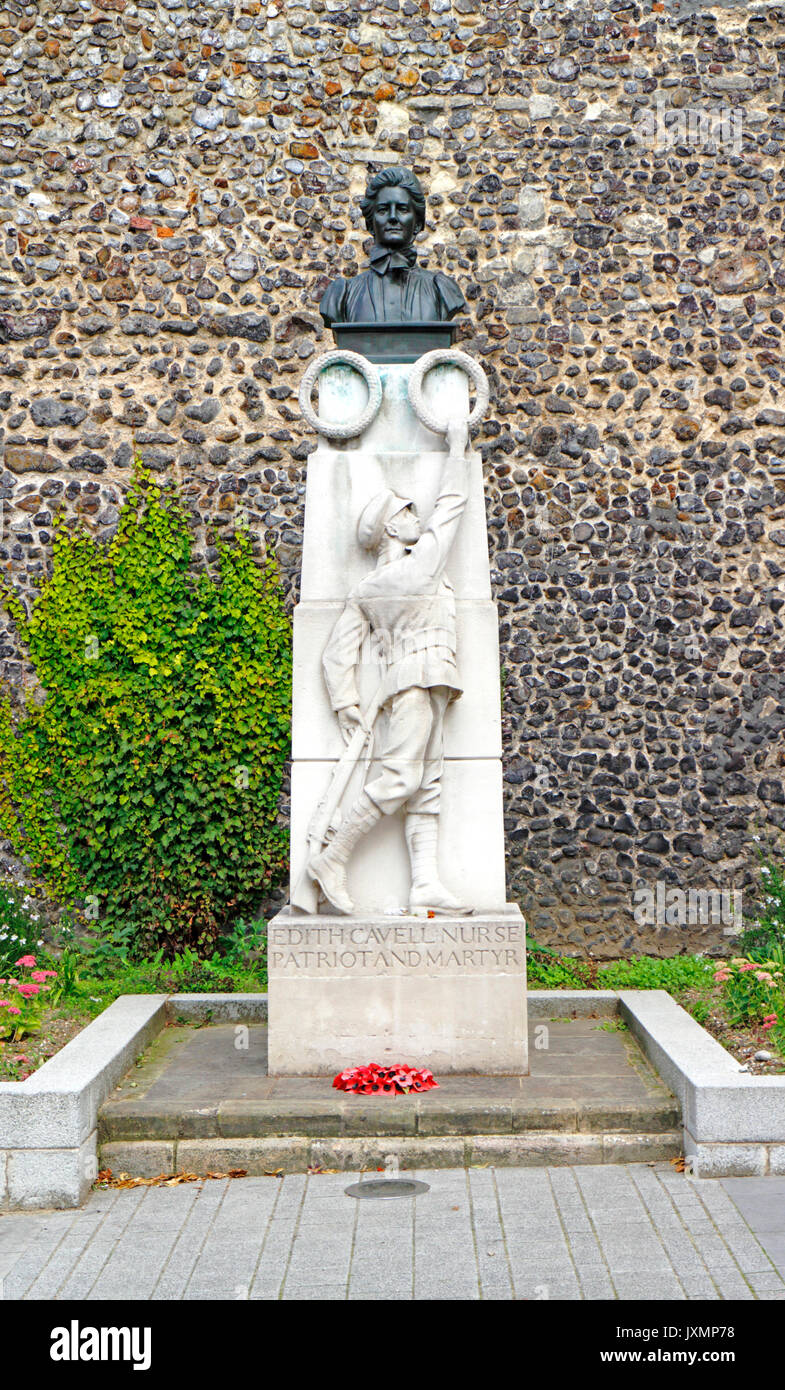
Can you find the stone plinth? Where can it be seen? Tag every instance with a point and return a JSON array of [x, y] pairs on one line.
[[447, 993]]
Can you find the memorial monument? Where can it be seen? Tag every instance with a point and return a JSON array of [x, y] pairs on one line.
[[398, 943]]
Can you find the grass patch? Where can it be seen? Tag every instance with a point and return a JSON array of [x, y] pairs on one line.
[[548, 970]]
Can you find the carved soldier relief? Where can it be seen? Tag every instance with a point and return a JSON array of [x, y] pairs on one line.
[[408, 605]]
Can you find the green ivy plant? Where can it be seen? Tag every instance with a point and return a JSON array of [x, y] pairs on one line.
[[146, 785]]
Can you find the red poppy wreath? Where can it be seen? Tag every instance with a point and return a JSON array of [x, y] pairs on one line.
[[373, 1080]]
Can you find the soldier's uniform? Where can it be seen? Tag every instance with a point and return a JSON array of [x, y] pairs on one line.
[[408, 606]]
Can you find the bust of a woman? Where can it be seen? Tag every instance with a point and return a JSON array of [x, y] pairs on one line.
[[394, 289]]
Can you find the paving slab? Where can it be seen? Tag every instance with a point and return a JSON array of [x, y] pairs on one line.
[[619, 1232], [761, 1204]]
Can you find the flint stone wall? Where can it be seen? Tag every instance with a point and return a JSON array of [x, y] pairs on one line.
[[179, 183]]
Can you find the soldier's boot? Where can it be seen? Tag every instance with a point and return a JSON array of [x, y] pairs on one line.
[[328, 868], [428, 892]]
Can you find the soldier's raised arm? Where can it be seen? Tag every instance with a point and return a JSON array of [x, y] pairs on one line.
[[429, 556], [456, 465]]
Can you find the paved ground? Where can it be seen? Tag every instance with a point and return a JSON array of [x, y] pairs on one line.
[[634, 1232]]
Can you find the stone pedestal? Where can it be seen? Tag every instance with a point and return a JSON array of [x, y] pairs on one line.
[[446, 993], [459, 1016]]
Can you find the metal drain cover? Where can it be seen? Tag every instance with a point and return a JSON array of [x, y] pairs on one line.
[[387, 1187]]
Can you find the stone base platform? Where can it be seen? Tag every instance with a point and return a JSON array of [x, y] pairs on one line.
[[447, 993], [202, 1100]]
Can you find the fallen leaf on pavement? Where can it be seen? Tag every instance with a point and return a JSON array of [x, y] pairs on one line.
[[105, 1178]]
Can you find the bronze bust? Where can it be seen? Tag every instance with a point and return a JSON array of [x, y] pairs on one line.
[[395, 289]]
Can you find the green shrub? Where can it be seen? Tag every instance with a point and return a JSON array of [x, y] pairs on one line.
[[186, 973], [699, 1008], [548, 970], [753, 991], [146, 785], [672, 973], [243, 942], [560, 974], [84, 983], [765, 937], [20, 926]]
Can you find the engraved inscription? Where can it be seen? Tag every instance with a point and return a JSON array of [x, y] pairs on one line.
[[426, 947]]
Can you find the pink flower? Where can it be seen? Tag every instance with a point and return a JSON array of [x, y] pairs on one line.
[[40, 975], [764, 975], [26, 960], [4, 1004], [722, 975], [748, 965], [27, 990], [13, 1010]]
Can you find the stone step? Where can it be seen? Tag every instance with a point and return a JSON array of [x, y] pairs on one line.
[[261, 1155], [201, 1100], [348, 1116]]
